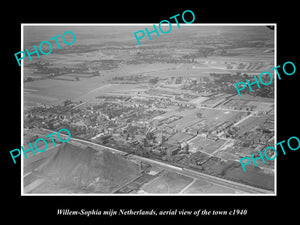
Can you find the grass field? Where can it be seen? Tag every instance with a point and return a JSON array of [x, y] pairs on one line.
[[203, 187], [54, 91], [227, 155], [215, 117], [168, 182], [251, 123], [205, 145], [253, 176]]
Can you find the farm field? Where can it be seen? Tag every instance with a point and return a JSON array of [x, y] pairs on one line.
[[54, 91], [60, 90]]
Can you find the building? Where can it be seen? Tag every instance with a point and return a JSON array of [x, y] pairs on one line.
[[172, 151]]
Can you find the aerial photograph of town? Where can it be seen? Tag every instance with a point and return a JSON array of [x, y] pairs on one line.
[[159, 118]]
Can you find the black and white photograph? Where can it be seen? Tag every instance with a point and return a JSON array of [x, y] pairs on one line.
[[150, 113], [156, 118]]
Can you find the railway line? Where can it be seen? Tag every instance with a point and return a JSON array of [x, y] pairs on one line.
[[184, 171]]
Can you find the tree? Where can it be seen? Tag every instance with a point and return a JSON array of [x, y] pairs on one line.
[[29, 79], [67, 102], [153, 81], [205, 51], [199, 115]]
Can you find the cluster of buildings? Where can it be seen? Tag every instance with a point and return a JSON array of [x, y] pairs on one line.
[[223, 83], [135, 124]]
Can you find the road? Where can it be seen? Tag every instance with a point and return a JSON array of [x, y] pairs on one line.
[[206, 177], [232, 110], [78, 105], [184, 171]]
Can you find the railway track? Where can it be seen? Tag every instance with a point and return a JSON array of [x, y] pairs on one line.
[[184, 171]]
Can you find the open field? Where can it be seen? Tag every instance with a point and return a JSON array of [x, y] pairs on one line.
[[254, 105], [185, 122], [201, 186], [72, 169], [252, 98], [168, 182], [215, 117], [252, 177], [250, 123], [54, 91], [206, 145], [60, 89], [227, 155]]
